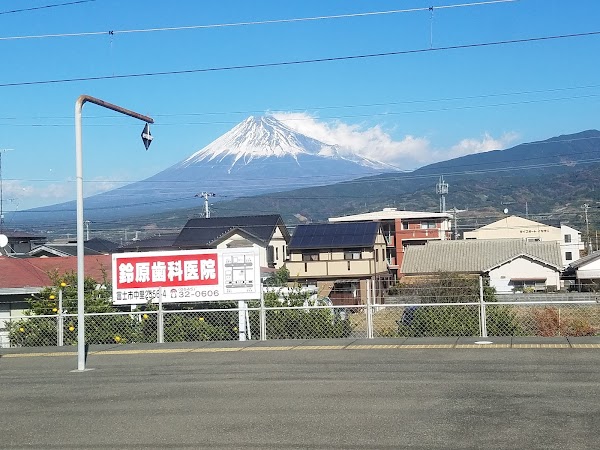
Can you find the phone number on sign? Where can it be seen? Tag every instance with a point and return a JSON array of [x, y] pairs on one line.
[[192, 294]]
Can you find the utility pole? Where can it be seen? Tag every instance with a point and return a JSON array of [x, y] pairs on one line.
[[587, 227], [205, 196], [87, 230], [455, 211], [441, 188]]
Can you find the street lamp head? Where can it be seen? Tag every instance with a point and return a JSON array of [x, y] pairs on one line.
[[146, 136]]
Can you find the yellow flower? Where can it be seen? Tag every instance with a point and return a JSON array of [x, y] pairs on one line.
[[22, 330], [54, 309], [52, 297], [71, 328], [117, 339], [201, 319], [145, 316]]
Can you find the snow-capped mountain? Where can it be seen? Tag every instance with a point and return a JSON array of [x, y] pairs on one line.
[[265, 137], [259, 155]]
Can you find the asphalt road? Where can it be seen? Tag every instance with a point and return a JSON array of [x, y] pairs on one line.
[[379, 398]]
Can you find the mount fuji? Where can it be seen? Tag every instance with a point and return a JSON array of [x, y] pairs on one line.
[[258, 156]]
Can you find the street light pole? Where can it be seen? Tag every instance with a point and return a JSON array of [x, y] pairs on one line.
[[79, 179]]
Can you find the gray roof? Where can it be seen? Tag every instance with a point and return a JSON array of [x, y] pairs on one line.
[[476, 256], [203, 233]]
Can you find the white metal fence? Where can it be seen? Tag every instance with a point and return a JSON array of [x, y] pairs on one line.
[[443, 319]]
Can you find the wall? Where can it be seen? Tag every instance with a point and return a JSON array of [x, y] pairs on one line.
[[589, 271], [522, 268]]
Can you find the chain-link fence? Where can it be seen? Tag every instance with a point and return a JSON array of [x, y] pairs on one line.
[[543, 319]]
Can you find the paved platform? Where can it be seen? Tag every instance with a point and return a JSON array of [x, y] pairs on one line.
[[346, 395], [592, 342]]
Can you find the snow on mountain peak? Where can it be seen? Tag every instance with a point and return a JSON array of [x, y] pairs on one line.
[[260, 137], [265, 137]]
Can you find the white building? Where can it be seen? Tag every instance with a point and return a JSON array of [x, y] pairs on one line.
[[514, 227]]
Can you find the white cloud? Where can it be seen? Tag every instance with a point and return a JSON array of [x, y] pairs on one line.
[[486, 143], [374, 142], [19, 196]]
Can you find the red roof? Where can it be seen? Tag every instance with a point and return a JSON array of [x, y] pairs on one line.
[[33, 272]]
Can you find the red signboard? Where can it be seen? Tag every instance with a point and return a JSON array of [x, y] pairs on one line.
[[167, 271]]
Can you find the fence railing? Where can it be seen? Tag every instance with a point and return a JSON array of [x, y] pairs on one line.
[[517, 318]]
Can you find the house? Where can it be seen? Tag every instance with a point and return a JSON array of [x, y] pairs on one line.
[[585, 272], [21, 242], [514, 227], [20, 278], [340, 259], [266, 232], [154, 243], [512, 265], [404, 228]]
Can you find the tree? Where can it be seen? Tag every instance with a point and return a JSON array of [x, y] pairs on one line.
[[457, 320], [40, 326]]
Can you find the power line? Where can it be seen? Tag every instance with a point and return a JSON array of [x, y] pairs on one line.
[[250, 23], [329, 117], [317, 108], [35, 8], [302, 61]]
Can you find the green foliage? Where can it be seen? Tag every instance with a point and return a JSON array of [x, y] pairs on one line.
[[302, 322], [279, 278], [459, 320], [42, 331], [183, 328]]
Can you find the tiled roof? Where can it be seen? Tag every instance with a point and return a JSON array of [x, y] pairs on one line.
[[334, 235], [33, 272], [199, 233], [475, 256]]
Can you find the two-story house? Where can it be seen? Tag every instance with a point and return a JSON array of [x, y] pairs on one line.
[[404, 228], [346, 261], [268, 233]]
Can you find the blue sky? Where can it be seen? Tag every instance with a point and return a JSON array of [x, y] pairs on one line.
[[408, 109]]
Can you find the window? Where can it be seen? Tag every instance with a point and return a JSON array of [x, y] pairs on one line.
[[276, 253], [569, 256], [376, 254], [567, 238], [352, 254], [428, 224], [310, 256]]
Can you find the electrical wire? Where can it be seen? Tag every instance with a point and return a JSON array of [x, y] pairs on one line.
[[250, 23], [35, 8], [302, 61]]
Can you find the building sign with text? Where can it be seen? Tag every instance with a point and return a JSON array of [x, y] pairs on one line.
[[186, 276]]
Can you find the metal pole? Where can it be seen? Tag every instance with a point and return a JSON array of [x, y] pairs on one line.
[[80, 265], [241, 321], [263, 316], [60, 319], [369, 312], [482, 315], [81, 100], [161, 319]]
